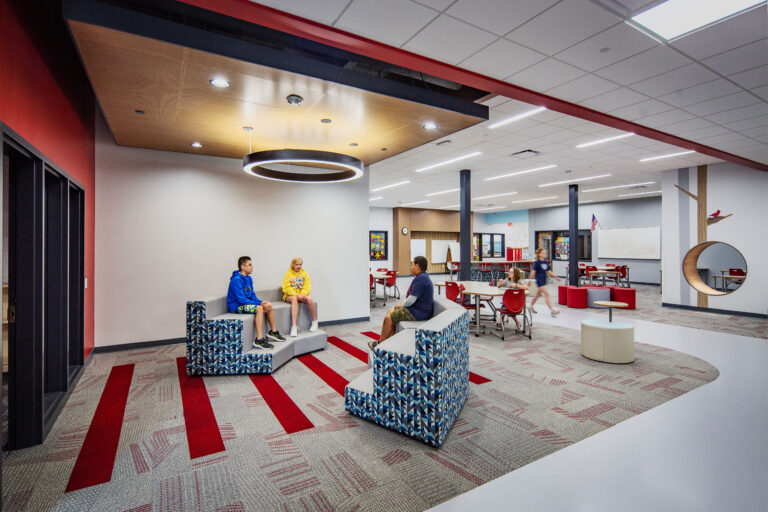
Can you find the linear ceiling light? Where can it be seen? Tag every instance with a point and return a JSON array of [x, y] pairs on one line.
[[574, 180], [566, 204], [443, 192], [674, 18], [535, 199], [521, 172], [417, 202], [620, 186], [494, 195], [464, 157], [517, 117], [391, 185], [490, 208], [450, 206], [609, 139], [640, 193], [376, 198], [666, 156]]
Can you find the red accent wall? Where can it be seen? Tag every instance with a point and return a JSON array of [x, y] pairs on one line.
[[46, 98]]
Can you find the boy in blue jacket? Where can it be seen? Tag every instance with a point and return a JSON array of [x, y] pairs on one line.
[[242, 299]]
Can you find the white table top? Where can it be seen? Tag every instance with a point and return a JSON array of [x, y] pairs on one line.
[[480, 288]]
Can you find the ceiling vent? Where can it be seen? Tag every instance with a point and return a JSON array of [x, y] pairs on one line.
[[443, 142], [637, 186], [526, 153]]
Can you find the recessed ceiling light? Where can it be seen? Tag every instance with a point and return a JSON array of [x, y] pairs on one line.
[[573, 180], [609, 139], [391, 185], [534, 199], [463, 157], [443, 192], [376, 198], [196, 145], [353, 144], [220, 83], [521, 172], [640, 193], [666, 156], [430, 125], [494, 195], [620, 186], [139, 111], [517, 117], [417, 202], [325, 120], [674, 18], [383, 149], [248, 128]]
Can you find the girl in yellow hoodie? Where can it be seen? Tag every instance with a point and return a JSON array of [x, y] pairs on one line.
[[296, 288]]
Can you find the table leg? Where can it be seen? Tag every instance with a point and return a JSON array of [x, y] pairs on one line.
[[610, 314], [477, 314]]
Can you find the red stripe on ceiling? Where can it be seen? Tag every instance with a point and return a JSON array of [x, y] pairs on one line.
[[97, 455], [285, 410], [307, 29], [203, 435], [322, 370]]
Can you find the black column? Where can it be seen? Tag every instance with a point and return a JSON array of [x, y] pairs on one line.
[[573, 235], [465, 237]]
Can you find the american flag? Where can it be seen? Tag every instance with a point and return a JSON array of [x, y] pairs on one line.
[[594, 222]]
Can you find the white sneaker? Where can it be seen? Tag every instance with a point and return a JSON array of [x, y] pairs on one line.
[[313, 327], [533, 310], [555, 312], [294, 331]]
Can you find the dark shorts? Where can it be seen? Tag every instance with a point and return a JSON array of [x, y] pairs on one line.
[[400, 315]]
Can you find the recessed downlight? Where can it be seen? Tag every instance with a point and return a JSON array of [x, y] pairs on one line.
[[353, 144], [139, 111], [430, 125], [219, 82], [196, 145], [325, 120]]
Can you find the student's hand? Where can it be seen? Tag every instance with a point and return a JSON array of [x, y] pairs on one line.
[[267, 306], [398, 306], [300, 297]]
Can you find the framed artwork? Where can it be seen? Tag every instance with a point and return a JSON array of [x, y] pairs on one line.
[[377, 245]]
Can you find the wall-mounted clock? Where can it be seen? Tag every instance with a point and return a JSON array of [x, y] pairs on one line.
[[405, 231]]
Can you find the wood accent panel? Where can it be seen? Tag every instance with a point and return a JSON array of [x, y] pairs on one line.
[[170, 84], [420, 220], [691, 273], [436, 220], [701, 228], [435, 268]]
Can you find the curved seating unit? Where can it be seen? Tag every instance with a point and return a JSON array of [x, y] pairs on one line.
[[419, 379], [609, 342], [221, 343]]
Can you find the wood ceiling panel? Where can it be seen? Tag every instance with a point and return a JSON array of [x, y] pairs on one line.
[[171, 85]]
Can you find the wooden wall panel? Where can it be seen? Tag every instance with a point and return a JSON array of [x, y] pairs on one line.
[[434, 268], [418, 220], [701, 221]]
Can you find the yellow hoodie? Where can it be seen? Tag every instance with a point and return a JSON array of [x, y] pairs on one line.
[[296, 283]]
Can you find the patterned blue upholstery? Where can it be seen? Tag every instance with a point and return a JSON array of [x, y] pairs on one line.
[[419, 379]]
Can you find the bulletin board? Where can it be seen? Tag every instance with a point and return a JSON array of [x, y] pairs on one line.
[[377, 245]]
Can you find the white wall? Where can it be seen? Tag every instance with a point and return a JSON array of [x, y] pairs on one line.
[[731, 188], [381, 220], [170, 227]]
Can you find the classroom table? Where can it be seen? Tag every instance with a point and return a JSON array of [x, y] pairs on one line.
[[380, 276], [724, 280], [603, 273], [610, 304], [524, 265], [479, 289]]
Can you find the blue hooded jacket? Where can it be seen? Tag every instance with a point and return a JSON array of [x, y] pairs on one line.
[[240, 292]]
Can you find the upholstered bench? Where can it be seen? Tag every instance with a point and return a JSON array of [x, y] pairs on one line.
[[608, 342], [597, 293], [419, 379], [576, 297], [438, 307], [622, 294], [221, 343], [562, 294]]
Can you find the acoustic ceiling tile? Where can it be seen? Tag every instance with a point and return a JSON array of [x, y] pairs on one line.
[[614, 99], [498, 16], [665, 118], [642, 109], [551, 33], [752, 78], [758, 121], [617, 43], [722, 104], [742, 58], [325, 12], [449, 40], [760, 133], [644, 65], [726, 35], [699, 93], [545, 75], [582, 88], [761, 91], [681, 78], [501, 59], [439, 5], [393, 22], [710, 131], [688, 126]]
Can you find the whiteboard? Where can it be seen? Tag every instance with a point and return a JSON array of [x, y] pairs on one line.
[[418, 248], [630, 243], [455, 250], [440, 251]]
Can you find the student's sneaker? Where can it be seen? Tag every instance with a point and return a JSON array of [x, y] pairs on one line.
[[313, 327], [275, 336], [294, 331], [533, 310], [372, 344], [262, 343], [555, 312]]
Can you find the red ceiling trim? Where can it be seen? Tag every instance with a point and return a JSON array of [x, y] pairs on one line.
[[314, 31]]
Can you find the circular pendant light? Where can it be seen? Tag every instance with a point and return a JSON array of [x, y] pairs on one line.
[[303, 166]]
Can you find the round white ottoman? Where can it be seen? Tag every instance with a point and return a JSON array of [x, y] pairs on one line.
[[609, 342], [594, 294]]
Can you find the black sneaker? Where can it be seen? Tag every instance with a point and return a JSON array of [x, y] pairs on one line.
[[262, 343], [275, 336]]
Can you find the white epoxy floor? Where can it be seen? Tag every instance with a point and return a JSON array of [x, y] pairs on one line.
[[705, 451]]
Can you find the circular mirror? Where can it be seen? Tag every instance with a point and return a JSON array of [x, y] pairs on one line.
[[715, 268]]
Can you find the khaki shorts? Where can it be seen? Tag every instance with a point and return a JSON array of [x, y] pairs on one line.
[[400, 315]]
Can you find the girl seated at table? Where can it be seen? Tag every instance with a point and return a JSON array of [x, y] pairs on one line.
[[296, 288], [514, 280]]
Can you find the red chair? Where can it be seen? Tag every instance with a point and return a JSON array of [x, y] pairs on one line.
[[391, 282], [736, 272], [373, 290], [465, 301], [513, 304], [489, 300], [588, 270], [452, 291], [381, 281], [486, 270], [623, 275], [610, 264]]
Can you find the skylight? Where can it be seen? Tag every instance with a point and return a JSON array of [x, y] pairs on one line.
[[674, 18]]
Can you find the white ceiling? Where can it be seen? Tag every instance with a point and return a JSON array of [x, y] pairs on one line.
[[710, 87]]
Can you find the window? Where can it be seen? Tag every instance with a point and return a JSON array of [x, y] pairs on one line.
[[561, 245], [489, 245]]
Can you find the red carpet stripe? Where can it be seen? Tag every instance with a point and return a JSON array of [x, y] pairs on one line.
[[319, 368], [97, 456], [203, 436], [348, 348], [284, 409], [473, 377]]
